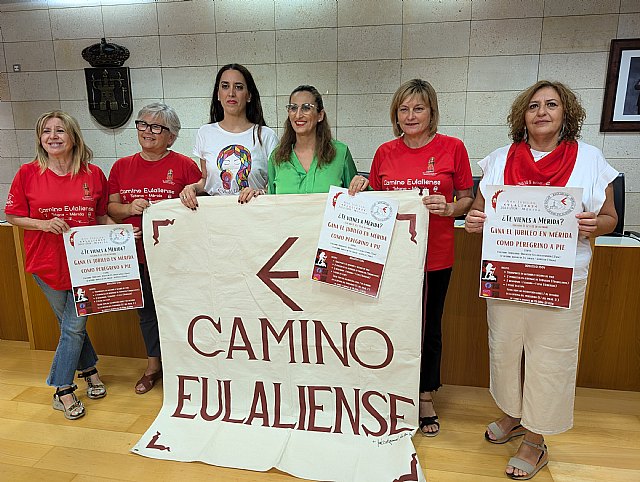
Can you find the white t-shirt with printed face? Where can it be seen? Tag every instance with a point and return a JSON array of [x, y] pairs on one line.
[[234, 160]]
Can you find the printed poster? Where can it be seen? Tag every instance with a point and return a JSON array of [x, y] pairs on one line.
[[354, 240], [262, 366], [103, 265], [529, 244]]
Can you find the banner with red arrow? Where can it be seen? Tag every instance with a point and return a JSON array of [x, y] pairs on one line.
[[263, 367]]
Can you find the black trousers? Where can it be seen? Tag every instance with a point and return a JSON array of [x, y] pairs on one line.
[[147, 315], [434, 293]]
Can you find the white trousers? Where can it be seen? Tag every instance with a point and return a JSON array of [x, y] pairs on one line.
[[549, 338]]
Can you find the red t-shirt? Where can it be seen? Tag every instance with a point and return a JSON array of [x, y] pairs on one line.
[[441, 166], [76, 199], [133, 177]]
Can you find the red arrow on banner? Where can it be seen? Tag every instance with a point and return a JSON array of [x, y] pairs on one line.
[[266, 275]]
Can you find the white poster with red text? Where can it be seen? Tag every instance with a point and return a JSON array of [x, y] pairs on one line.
[[354, 240], [103, 266], [529, 244], [263, 367]]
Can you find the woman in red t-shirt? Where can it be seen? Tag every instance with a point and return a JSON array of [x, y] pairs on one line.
[[421, 158], [56, 192], [151, 175]]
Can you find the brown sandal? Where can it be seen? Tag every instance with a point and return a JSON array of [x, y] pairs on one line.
[[147, 382]]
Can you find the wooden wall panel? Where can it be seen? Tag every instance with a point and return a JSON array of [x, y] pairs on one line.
[[12, 317], [116, 333], [610, 353], [610, 356], [465, 353]]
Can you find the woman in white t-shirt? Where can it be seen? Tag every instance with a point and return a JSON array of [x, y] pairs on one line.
[[545, 123], [235, 146]]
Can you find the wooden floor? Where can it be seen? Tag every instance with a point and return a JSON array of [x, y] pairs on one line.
[[39, 444]]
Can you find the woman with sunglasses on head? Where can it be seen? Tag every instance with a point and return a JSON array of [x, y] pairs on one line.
[[308, 160], [235, 146], [151, 175]]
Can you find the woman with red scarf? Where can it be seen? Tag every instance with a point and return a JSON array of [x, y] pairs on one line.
[[545, 122]]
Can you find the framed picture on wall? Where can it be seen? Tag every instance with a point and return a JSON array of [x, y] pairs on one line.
[[621, 109]]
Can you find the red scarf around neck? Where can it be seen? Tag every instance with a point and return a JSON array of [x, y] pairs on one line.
[[554, 169]]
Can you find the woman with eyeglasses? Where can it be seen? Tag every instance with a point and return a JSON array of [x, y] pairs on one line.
[[235, 146], [421, 158], [308, 160], [151, 175]]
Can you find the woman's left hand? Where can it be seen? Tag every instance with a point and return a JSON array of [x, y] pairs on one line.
[[587, 223], [357, 184], [437, 204], [248, 193]]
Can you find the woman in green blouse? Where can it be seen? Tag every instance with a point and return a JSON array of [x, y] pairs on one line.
[[308, 160]]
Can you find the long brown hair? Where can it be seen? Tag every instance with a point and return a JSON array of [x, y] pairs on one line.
[[325, 150], [81, 154], [574, 113]]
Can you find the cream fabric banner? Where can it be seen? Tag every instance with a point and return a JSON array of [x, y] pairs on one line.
[[264, 367]]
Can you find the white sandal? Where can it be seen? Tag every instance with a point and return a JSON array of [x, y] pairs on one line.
[[73, 411], [94, 390]]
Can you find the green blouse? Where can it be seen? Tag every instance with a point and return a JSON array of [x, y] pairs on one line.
[[290, 177]]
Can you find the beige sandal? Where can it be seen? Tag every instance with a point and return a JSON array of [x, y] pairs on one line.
[[502, 437], [518, 463]]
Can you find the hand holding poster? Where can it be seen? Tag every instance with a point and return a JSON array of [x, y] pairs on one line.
[[529, 244], [354, 240], [104, 268], [263, 367]]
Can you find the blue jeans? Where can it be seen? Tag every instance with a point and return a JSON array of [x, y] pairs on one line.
[[74, 351]]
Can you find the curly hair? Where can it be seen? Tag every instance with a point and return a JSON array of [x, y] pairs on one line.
[[81, 154], [574, 113], [325, 150]]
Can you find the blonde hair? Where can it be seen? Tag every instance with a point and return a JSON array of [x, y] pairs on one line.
[[408, 89], [81, 154]]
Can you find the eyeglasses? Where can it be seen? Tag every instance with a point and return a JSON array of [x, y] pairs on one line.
[[155, 128], [305, 108]]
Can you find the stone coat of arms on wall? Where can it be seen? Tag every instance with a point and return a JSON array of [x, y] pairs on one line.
[[108, 84]]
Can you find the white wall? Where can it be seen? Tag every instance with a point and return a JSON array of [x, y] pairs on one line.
[[478, 54]]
